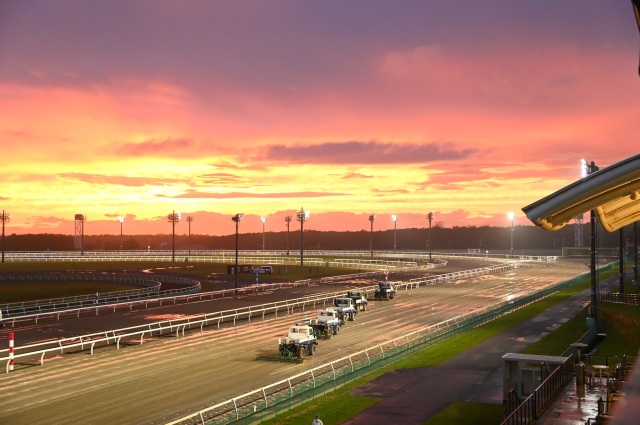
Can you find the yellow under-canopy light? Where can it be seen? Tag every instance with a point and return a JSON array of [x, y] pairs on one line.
[[613, 192]]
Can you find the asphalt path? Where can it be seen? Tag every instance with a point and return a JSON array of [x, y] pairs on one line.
[[170, 377]]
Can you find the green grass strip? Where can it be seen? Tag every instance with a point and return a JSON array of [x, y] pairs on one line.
[[558, 341], [469, 413], [325, 406]]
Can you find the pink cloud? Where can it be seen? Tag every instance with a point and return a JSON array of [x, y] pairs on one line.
[[101, 179], [251, 166], [46, 222], [389, 191], [159, 147], [372, 152], [193, 194], [221, 179], [356, 176]]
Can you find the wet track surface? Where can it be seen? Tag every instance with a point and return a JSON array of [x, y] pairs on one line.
[[169, 377]]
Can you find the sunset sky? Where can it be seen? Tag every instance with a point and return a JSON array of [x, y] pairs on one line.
[[346, 108]]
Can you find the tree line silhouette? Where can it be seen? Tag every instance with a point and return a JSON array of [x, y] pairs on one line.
[[484, 238]]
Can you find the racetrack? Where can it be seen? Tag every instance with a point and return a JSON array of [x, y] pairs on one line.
[[171, 377]]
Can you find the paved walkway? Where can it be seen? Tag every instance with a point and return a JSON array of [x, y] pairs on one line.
[[413, 396]]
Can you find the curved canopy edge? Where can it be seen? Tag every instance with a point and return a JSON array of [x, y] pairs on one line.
[[613, 192]]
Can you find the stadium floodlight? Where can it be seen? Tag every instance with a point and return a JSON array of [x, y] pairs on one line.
[[430, 218], [288, 219], [587, 168], [5, 218], [511, 216], [583, 168], [173, 218], [372, 218], [78, 239], [236, 219], [189, 220], [121, 220], [395, 222], [263, 220], [592, 168], [302, 216]]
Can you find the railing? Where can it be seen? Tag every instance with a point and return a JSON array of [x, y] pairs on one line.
[[532, 407], [174, 296], [618, 298], [180, 325], [269, 256], [625, 362], [150, 287], [77, 305], [40, 311], [375, 262], [429, 280], [177, 326], [269, 401]]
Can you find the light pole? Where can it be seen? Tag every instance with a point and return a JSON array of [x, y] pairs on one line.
[[189, 220], [635, 253], [173, 219], [237, 219], [79, 233], [621, 260], [302, 216], [121, 220], [430, 218], [5, 218], [263, 220], [372, 218], [511, 216], [395, 222], [589, 168], [287, 219]]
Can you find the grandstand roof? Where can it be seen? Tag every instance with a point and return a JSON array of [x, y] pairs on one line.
[[613, 192]]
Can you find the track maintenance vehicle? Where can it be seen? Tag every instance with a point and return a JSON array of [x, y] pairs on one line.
[[385, 291], [359, 298], [346, 308], [327, 323], [300, 341]]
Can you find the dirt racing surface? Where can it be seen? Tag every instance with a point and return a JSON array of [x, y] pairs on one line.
[[168, 377]]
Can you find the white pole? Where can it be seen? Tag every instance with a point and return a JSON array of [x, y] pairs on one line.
[[11, 351]]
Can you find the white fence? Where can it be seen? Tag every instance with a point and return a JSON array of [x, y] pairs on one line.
[[149, 287], [77, 305], [260, 398], [137, 334]]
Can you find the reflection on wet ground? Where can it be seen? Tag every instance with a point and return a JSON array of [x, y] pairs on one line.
[[579, 403]]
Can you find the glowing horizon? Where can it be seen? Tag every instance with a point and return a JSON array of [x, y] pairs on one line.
[[136, 110]]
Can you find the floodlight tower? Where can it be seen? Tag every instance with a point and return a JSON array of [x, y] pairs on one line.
[[587, 169], [578, 233], [511, 216], [302, 216], [635, 252], [121, 220], [79, 234], [287, 219], [430, 218], [395, 222], [189, 220], [5, 218], [173, 218], [372, 218], [237, 219], [263, 220]]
